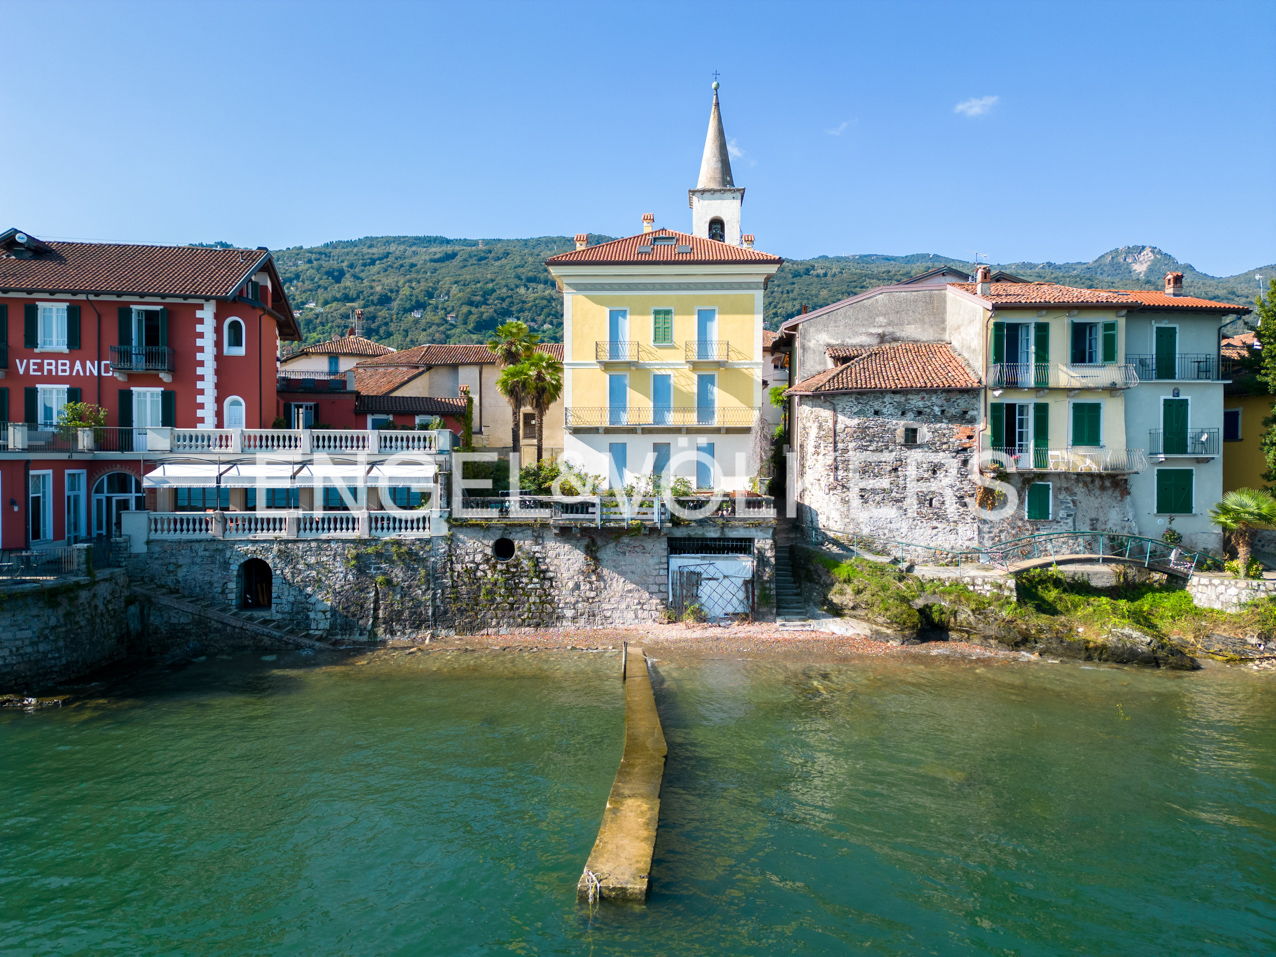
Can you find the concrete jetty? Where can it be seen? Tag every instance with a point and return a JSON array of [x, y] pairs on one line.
[[619, 866]]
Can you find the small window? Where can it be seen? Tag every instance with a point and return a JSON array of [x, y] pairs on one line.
[[275, 498], [404, 496], [380, 421], [1231, 425], [234, 337], [233, 414], [201, 499], [529, 426], [1040, 504], [664, 241], [662, 327], [502, 549], [911, 435]]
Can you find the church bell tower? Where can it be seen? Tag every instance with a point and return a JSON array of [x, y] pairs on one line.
[[716, 200]]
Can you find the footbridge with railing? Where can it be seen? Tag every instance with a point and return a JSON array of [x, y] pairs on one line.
[[1054, 548]]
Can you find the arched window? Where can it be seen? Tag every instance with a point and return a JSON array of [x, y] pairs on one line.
[[113, 493], [717, 229], [233, 337], [233, 413]]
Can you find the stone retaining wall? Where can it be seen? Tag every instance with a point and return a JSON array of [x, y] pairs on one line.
[[55, 630], [1226, 593]]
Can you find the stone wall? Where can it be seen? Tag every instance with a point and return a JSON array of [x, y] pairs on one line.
[[1080, 502], [553, 576], [60, 629], [860, 478], [1226, 593]]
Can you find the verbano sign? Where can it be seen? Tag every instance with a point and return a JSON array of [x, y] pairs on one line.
[[63, 367]]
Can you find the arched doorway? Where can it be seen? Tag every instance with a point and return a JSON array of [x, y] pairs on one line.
[[255, 582], [113, 494]]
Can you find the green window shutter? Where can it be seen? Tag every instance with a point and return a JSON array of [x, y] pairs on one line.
[[4, 325], [1039, 501], [126, 408], [1086, 423], [31, 326], [126, 326], [997, 422], [1040, 434], [662, 326], [1040, 342], [74, 394], [4, 404], [168, 408], [998, 343], [73, 327], [1109, 342], [163, 327], [30, 402], [1174, 491]]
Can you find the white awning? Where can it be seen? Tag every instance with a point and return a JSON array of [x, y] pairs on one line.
[[182, 475], [254, 474], [332, 474], [407, 473]]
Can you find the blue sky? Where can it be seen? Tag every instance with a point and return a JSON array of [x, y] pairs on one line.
[[1022, 131]]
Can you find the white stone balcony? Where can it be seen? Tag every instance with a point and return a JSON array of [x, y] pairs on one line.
[[1073, 459], [1045, 375]]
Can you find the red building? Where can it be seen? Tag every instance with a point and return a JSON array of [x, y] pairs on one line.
[[181, 336]]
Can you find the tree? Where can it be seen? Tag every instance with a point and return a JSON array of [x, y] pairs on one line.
[[1244, 512], [1265, 332], [513, 343], [515, 385], [543, 375]]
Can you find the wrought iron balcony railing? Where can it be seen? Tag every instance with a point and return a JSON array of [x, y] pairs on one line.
[[707, 350], [1045, 375], [142, 358], [1201, 367], [1201, 443], [1074, 459], [616, 350], [630, 418]]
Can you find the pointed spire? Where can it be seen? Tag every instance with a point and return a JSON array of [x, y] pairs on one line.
[[715, 165]]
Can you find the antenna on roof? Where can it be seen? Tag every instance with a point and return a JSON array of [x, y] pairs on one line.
[[979, 260]]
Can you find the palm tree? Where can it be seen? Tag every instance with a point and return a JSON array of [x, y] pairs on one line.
[[544, 377], [513, 342], [1244, 512], [515, 384]]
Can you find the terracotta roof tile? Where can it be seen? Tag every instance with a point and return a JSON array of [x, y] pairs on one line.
[[413, 404], [892, 367], [1046, 294], [187, 271], [1237, 347], [1154, 298], [345, 346], [382, 381], [451, 354], [627, 252]]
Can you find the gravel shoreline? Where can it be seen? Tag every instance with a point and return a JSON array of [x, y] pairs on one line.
[[703, 641]]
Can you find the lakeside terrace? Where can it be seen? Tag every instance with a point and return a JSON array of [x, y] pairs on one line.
[[205, 484]]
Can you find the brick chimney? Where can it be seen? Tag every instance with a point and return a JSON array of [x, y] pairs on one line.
[[1174, 284], [747, 240], [648, 222], [983, 280], [350, 331], [582, 240]]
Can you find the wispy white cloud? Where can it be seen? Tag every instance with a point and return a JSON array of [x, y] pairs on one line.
[[976, 105], [839, 129], [733, 148]]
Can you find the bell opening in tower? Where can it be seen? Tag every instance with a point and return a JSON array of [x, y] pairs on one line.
[[717, 229]]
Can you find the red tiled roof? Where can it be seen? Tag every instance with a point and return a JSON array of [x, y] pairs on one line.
[[452, 354], [892, 367], [1045, 294], [345, 346], [1236, 347], [382, 381], [768, 338], [626, 251], [414, 404], [1156, 299]]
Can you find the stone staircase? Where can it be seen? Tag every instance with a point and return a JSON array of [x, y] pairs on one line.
[[789, 604], [258, 624]]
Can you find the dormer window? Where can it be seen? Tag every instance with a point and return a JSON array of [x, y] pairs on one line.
[[664, 241], [717, 229]]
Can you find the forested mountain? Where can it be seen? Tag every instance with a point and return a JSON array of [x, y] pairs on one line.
[[416, 289]]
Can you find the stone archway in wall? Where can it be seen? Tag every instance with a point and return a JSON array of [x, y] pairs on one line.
[[255, 585]]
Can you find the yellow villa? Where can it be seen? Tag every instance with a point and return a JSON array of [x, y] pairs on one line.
[[663, 350]]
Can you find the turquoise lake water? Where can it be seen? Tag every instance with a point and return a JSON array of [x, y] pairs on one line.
[[445, 804]]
